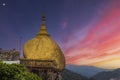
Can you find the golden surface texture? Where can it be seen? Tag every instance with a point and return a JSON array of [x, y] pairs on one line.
[[42, 47]]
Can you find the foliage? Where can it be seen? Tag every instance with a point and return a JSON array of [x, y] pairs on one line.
[[26, 76], [16, 72]]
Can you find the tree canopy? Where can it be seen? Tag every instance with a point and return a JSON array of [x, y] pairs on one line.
[[16, 72]]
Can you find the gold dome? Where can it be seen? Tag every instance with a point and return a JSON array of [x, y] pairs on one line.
[[42, 47]]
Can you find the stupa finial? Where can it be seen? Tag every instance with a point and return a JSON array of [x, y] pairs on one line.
[[43, 29]]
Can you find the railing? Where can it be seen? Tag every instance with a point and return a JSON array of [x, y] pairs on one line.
[[38, 63]]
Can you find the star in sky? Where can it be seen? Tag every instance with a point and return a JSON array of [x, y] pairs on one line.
[[3, 4]]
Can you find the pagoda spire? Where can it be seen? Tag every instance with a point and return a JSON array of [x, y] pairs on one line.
[[43, 29]]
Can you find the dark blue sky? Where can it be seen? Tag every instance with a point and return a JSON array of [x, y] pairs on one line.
[[63, 18], [88, 31]]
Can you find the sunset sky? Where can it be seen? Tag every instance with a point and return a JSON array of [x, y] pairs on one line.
[[88, 31]]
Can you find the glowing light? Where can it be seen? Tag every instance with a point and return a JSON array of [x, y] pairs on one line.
[[4, 4]]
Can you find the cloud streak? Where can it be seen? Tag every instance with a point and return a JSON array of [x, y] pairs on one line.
[[99, 42]]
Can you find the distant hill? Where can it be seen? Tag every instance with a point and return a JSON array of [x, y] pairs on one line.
[[87, 71], [107, 75], [69, 75]]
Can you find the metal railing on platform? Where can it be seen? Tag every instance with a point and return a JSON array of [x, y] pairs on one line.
[[38, 63]]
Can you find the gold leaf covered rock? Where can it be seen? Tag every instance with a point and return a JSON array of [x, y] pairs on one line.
[[42, 47]]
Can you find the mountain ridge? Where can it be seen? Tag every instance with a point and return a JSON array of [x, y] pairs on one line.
[[69, 75], [87, 71], [107, 75]]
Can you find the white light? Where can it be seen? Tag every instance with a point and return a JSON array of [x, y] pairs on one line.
[[3, 4]]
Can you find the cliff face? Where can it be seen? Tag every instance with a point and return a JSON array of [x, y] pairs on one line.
[[69, 75]]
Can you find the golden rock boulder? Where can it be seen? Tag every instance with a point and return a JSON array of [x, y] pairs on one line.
[[42, 47]]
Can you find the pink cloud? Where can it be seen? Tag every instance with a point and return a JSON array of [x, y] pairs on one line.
[[99, 40]]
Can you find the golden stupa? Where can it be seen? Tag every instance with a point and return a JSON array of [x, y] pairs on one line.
[[42, 47]]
